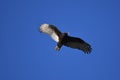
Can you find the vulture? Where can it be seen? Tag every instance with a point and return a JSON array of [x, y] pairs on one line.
[[64, 39]]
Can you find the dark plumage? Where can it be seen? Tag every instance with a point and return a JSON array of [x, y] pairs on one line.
[[64, 39]]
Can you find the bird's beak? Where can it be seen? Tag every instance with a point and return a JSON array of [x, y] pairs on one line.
[[39, 30]]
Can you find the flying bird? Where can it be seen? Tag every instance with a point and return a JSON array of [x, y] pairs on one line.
[[65, 39]]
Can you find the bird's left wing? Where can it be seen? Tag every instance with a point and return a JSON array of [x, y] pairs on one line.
[[78, 43]]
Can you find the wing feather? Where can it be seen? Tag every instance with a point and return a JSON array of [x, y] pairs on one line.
[[78, 43]]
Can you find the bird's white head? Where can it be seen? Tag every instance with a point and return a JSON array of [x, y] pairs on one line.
[[43, 27]]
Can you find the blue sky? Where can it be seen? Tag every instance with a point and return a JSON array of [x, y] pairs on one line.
[[26, 54]]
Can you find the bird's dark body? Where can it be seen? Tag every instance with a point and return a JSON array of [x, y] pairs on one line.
[[71, 39]]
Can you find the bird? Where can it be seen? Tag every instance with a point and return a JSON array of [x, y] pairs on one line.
[[63, 39]]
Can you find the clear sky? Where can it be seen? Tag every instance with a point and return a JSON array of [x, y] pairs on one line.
[[26, 54]]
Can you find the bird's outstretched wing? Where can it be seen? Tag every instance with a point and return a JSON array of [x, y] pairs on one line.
[[78, 43], [51, 30]]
